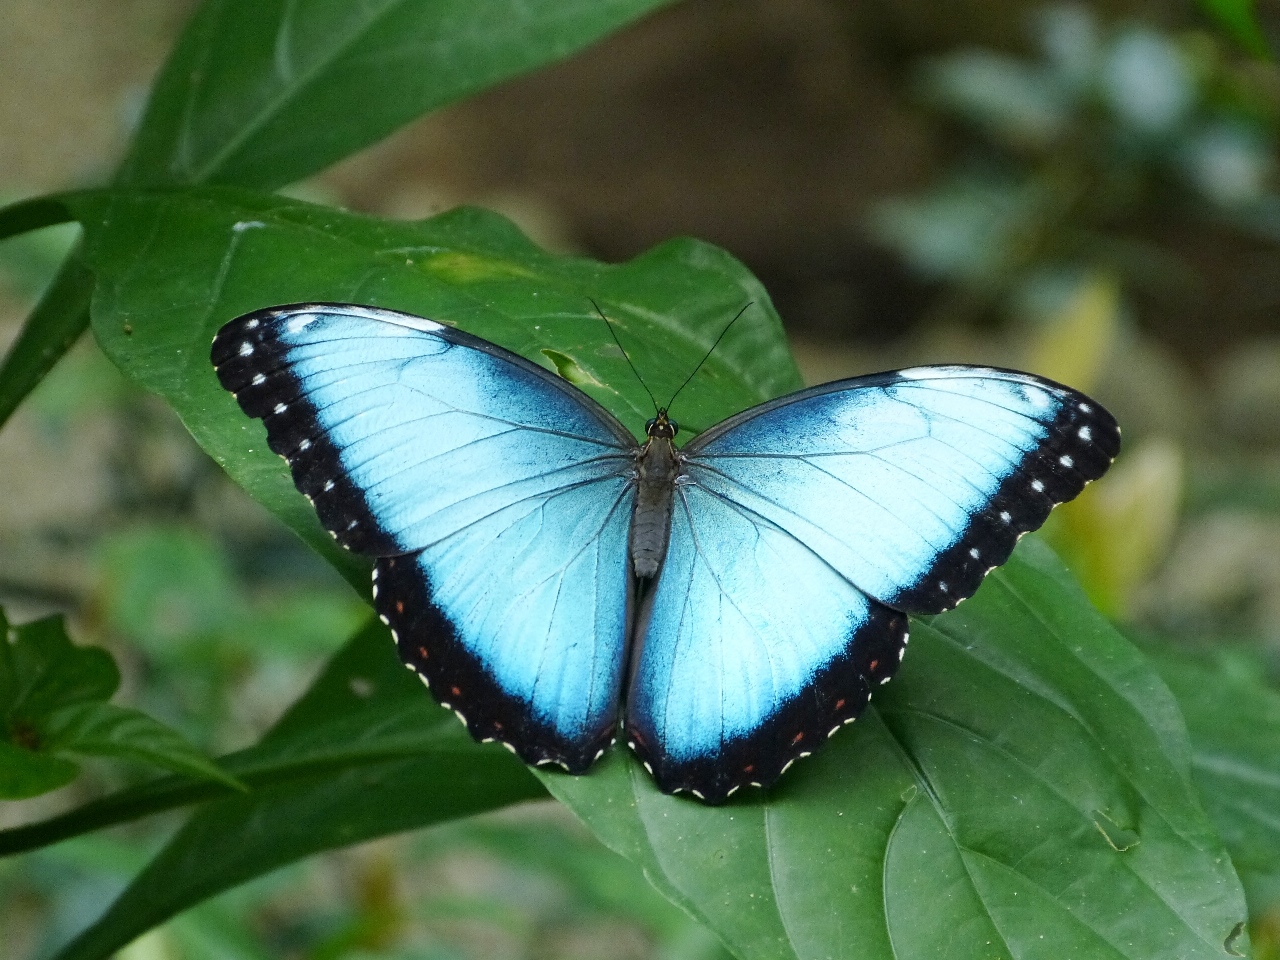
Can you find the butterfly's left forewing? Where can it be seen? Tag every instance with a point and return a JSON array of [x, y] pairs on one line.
[[805, 530], [495, 498]]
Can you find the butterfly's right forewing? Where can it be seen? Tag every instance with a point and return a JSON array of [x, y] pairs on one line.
[[495, 497]]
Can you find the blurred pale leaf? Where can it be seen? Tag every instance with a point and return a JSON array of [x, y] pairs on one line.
[[1120, 529], [1072, 343], [1015, 101], [966, 231], [1070, 38], [1148, 82]]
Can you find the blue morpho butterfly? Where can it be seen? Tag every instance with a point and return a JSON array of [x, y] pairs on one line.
[[733, 601]]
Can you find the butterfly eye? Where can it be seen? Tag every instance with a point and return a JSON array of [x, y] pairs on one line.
[[648, 427], [675, 428]]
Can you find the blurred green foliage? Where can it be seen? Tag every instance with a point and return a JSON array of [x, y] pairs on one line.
[[1239, 19], [1071, 152], [53, 701]]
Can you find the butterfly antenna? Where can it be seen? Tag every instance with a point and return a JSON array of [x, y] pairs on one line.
[[708, 353], [624, 354]]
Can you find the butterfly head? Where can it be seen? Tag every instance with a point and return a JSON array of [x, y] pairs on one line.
[[661, 427]]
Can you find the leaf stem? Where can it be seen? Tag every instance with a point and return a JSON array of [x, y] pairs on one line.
[[54, 326], [171, 792]]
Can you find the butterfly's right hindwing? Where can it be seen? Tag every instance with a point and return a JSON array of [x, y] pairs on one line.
[[496, 497], [752, 652]]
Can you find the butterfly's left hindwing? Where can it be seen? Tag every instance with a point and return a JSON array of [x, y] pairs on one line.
[[496, 497], [519, 622]]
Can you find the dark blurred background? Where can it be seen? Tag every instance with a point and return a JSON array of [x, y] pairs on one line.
[[1084, 190]]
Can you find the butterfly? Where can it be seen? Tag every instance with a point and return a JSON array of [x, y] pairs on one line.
[[727, 604]]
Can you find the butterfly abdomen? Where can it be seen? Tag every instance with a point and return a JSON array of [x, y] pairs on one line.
[[651, 521]]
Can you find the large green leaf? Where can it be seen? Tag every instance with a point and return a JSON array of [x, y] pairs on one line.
[[363, 754], [264, 92], [173, 267], [1020, 790]]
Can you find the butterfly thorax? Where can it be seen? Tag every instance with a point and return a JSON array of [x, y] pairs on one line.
[[657, 466]]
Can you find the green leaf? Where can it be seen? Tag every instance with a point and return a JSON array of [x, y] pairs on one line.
[[173, 267], [58, 319], [1034, 760], [52, 702], [53, 327], [364, 753], [264, 92], [1237, 18], [25, 773], [1020, 790], [1234, 724], [103, 729], [46, 671]]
